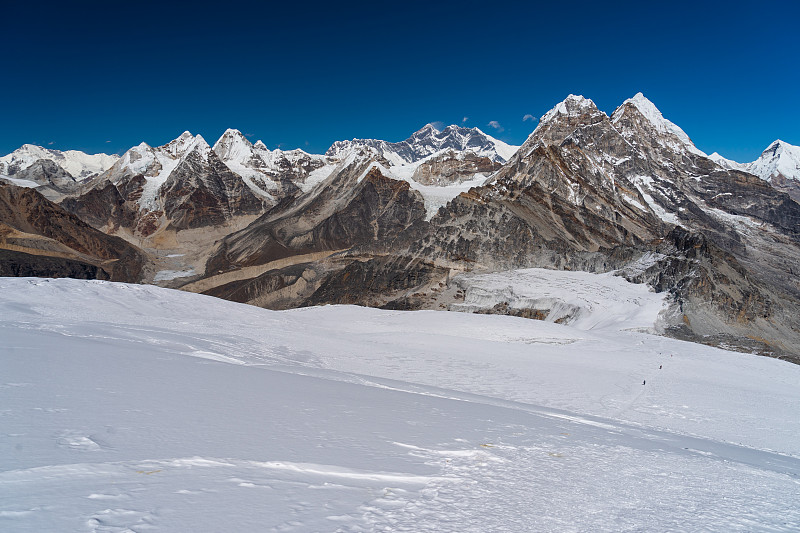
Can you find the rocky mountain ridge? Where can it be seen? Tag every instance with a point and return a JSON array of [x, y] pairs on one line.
[[627, 192], [395, 224]]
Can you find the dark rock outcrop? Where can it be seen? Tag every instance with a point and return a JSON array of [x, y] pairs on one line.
[[21, 264], [359, 207], [34, 224]]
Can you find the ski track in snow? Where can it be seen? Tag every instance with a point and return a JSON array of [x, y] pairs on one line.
[[134, 408]]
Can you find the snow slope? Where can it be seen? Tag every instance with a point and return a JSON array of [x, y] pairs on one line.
[[135, 408], [28, 184]]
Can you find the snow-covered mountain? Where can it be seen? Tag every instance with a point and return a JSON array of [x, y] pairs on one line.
[[156, 410], [726, 163], [180, 185], [669, 133], [587, 191], [271, 173], [428, 141], [439, 165], [780, 161], [79, 164], [778, 165]]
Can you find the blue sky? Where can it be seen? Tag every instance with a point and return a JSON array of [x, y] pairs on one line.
[[105, 76]]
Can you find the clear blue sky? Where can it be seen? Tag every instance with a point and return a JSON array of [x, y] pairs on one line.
[[104, 76]]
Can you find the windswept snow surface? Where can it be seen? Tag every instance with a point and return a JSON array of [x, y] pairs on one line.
[[136, 408]]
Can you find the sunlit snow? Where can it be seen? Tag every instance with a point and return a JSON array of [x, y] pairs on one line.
[[135, 408]]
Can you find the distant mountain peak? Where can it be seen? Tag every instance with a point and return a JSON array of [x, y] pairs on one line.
[[76, 163], [427, 141], [780, 161]]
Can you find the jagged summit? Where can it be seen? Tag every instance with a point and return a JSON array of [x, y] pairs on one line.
[[427, 141], [656, 120], [572, 106], [179, 146], [780, 158], [233, 145]]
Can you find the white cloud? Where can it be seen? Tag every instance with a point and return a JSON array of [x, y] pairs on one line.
[[528, 117], [496, 125], [464, 120]]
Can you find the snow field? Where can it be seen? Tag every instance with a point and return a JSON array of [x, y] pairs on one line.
[[135, 408]]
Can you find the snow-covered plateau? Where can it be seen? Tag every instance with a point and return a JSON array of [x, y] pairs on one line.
[[136, 408]]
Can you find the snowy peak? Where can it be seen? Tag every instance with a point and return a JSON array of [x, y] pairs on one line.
[[199, 146], [233, 145], [779, 160], [572, 106], [656, 120], [78, 164], [429, 140], [270, 174], [179, 146]]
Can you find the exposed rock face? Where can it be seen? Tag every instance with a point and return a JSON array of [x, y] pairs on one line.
[[452, 167], [20, 264], [359, 206], [54, 182], [390, 282], [108, 207], [31, 225], [202, 191], [181, 185], [274, 174]]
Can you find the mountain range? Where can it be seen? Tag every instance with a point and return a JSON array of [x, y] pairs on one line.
[[397, 224]]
